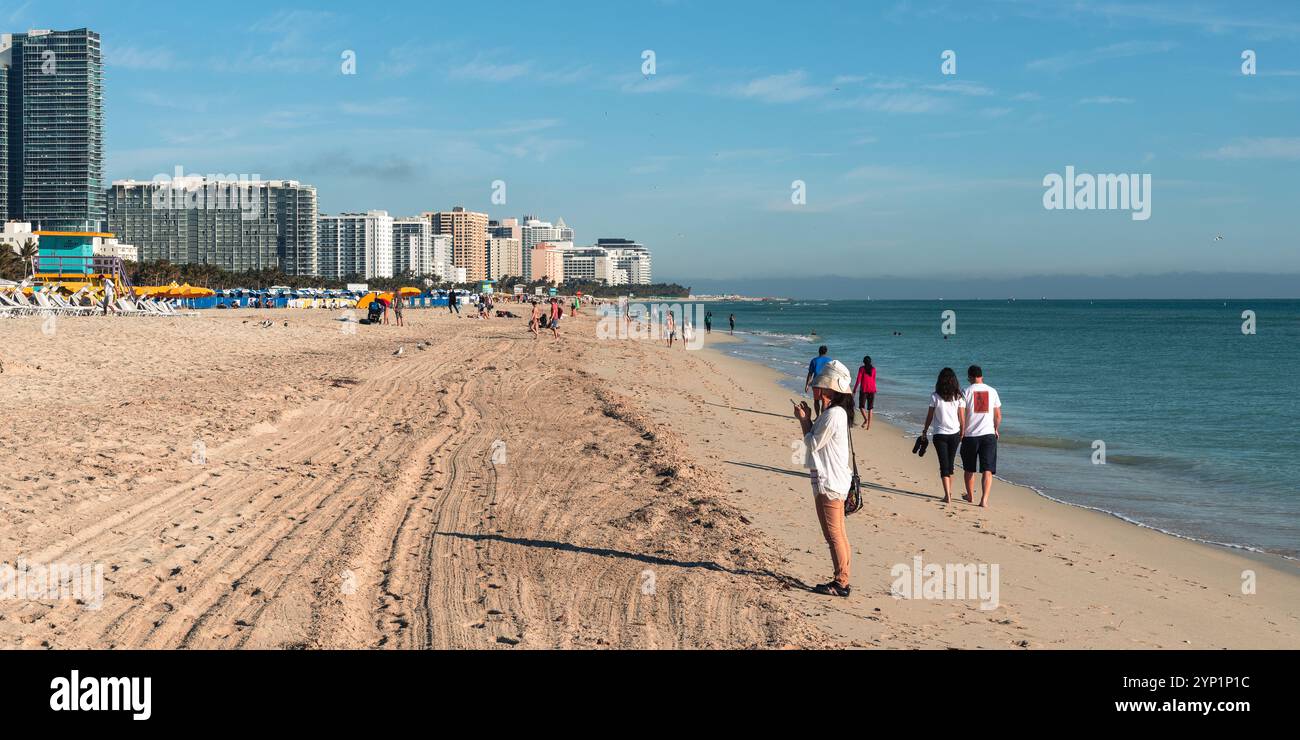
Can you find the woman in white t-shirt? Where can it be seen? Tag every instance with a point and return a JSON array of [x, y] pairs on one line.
[[947, 412], [829, 461]]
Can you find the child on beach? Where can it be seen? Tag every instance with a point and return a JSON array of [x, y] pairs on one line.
[[397, 310], [948, 412], [865, 386]]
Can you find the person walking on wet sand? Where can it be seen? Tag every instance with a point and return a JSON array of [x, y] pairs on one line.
[[948, 413], [671, 328], [830, 465], [865, 385], [815, 367], [732, 320], [980, 431]]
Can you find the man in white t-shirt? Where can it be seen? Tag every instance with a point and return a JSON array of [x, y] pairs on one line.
[[979, 444]]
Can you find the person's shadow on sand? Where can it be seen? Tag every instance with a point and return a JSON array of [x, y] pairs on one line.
[[801, 474], [606, 552]]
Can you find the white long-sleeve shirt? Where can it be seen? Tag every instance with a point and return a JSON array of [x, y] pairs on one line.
[[827, 452]]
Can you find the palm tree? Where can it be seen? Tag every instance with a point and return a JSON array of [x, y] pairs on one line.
[[28, 254], [10, 264]]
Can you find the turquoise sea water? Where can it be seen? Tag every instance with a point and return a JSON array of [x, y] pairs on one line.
[[1201, 423]]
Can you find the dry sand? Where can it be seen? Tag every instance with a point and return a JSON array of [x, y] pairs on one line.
[[486, 489]]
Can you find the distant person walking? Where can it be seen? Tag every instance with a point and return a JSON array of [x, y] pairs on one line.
[[535, 320], [979, 444], [830, 466], [865, 386], [397, 309], [731, 319], [815, 367], [708, 322], [947, 412], [452, 303], [671, 328], [556, 313], [108, 296]]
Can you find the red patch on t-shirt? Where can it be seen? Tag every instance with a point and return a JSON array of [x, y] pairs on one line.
[[980, 402]]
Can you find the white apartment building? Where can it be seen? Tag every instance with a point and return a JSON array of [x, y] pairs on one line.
[[413, 246], [354, 244], [505, 258], [534, 232], [630, 257], [586, 263]]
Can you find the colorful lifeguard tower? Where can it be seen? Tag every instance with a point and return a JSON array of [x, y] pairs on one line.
[[70, 256]]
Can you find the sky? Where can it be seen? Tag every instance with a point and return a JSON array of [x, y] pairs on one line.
[[905, 170]]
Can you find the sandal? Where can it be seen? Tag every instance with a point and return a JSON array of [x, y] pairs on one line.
[[832, 589]]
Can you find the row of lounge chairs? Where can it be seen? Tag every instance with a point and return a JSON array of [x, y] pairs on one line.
[[50, 303]]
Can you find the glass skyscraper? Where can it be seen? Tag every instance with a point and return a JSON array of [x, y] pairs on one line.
[[54, 119]]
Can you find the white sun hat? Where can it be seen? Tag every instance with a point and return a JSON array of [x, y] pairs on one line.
[[834, 377]]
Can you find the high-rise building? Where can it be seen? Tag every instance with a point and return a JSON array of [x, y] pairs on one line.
[[505, 258], [356, 245], [533, 232], [54, 129], [412, 246], [468, 230], [547, 264], [566, 233], [587, 263], [630, 257], [234, 225], [443, 266]]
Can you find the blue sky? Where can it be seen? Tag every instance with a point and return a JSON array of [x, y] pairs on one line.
[[908, 171]]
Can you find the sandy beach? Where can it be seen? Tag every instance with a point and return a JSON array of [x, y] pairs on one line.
[[459, 484]]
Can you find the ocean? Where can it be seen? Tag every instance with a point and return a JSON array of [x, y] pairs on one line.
[[1199, 421]]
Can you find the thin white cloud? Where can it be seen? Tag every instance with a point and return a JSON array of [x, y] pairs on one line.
[[1278, 147], [483, 71], [961, 87], [654, 84], [906, 102], [1075, 59], [1105, 100], [790, 87], [132, 57]]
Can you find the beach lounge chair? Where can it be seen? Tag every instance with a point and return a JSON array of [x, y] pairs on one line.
[[67, 307], [11, 304]]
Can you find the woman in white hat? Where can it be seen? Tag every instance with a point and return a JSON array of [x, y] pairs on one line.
[[830, 464]]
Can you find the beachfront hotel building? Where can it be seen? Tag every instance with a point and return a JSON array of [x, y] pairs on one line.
[[592, 264], [547, 264], [630, 257], [412, 246], [236, 225], [356, 245], [533, 232], [52, 160], [468, 231], [505, 258]]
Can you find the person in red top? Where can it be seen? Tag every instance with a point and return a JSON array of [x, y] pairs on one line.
[[865, 386]]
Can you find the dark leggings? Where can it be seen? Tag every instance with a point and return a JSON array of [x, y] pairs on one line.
[[945, 448]]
